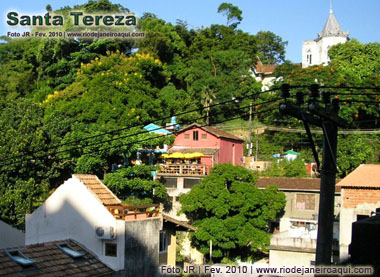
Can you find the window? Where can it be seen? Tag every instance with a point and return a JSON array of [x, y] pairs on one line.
[[68, 250], [18, 257], [195, 135], [170, 182], [187, 136], [204, 136], [111, 249], [308, 57], [163, 241], [189, 183], [305, 201]]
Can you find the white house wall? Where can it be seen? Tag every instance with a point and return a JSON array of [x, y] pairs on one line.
[[10, 237], [72, 211], [319, 50]]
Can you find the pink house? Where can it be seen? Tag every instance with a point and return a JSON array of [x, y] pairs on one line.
[[195, 150], [217, 146]]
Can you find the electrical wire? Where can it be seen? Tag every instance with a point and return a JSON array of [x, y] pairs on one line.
[[151, 121], [130, 135]]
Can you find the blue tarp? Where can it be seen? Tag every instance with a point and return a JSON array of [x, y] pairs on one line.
[[153, 128]]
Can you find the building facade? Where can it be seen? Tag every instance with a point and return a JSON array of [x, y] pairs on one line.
[[295, 233], [360, 199], [315, 52], [85, 210], [196, 149]]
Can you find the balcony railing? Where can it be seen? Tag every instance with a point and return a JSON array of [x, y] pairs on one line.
[[183, 169], [128, 212]]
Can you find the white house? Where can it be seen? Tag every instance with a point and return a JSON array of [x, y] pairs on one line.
[[85, 210], [315, 52]]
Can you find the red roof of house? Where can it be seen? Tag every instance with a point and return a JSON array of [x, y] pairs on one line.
[[292, 183], [52, 261], [214, 131], [365, 175], [266, 69]]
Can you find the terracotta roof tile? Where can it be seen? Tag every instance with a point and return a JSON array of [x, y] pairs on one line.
[[101, 191], [51, 261], [266, 69], [365, 175], [287, 183]]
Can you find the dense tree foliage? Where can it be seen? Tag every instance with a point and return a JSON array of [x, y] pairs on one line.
[[352, 64], [285, 168], [230, 211], [135, 185], [79, 105], [233, 14]]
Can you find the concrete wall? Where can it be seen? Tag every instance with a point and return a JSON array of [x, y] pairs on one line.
[[142, 247], [292, 212], [169, 257], [279, 258], [356, 201], [190, 252], [10, 237], [72, 211]]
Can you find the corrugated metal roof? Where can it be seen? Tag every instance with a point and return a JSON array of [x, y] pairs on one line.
[[101, 191]]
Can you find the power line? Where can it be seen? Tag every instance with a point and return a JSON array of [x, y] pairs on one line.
[[236, 99], [130, 135]]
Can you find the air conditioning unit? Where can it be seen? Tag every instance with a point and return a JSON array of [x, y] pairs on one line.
[[106, 233]]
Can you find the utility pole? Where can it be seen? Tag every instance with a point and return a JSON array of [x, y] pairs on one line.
[[327, 118], [250, 130]]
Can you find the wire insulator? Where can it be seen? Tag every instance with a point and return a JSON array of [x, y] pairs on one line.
[[285, 91], [314, 90], [299, 98], [326, 97], [335, 104]]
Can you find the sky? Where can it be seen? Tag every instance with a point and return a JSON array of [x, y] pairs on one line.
[[293, 20]]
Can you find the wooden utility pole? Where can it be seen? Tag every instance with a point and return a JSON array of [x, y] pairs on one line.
[[327, 118], [250, 130]]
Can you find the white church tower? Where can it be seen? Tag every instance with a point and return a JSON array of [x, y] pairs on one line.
[[315, 52]]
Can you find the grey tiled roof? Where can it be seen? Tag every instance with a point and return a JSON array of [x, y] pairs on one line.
[[332, 28]]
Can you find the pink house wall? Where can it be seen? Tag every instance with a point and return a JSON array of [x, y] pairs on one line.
[[207, 160], [210, 141], [230, 151]]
